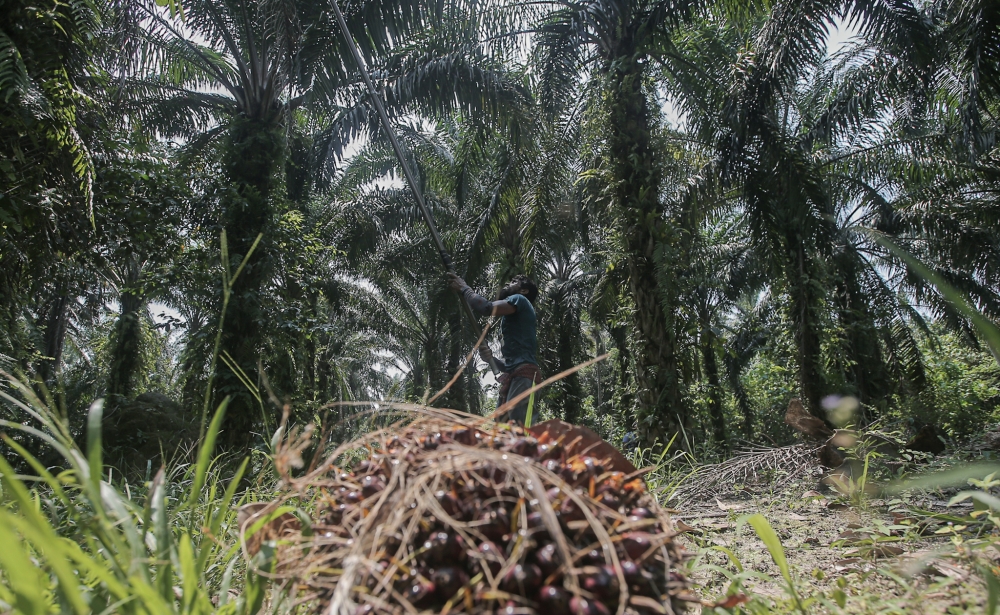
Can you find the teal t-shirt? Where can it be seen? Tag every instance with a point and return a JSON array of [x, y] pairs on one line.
[[520, 341]]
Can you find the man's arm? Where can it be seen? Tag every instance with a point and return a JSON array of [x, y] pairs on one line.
[[477, 302]]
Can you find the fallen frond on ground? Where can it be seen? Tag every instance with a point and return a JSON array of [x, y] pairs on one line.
[[774, 467]]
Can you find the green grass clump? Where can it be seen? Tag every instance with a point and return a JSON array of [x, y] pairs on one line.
[[75, 542]]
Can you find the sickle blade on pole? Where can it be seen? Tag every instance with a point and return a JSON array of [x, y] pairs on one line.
[[410, 178]]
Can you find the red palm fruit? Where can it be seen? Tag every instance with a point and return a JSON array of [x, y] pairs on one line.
[[364, 466], [370, 485], [640, 512], [582, 606], [436, 547], [494, 524], [490, 557], [610, 500], [430, 442], [633, 489], [493, 474], [636, 544], [336, 514], [352, 497], [449, 503], [512, 608], [568, 473], [455, 549], [570, 511], [601, 581], [466, 436], [523, 579], [592, 467], [444, 548], [419, 591], [448, 580], [614, 480], [553, 600], [550, 451], [537, 527], [526, 447], [632, 572], [547, 559]]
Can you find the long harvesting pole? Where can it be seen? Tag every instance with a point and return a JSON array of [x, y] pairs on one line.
[[410, 179]]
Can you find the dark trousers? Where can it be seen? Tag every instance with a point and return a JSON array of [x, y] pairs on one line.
[[518, 413]]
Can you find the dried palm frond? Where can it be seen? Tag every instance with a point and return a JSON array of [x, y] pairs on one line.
[[749, 467]]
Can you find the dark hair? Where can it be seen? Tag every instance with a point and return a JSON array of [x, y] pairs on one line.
[[527, 286]]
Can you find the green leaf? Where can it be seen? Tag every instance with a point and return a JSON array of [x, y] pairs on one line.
[[22, 577], [731, 555], [43, 537], [43, 473], [190, 579], [766, 533], [952, 477], [161, 532], [94, 451], [958, 300], [227, 581], [993, 591], [991, 501], [224, 505], [205, 453]]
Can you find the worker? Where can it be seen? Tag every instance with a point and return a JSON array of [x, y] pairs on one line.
[[519, 344]]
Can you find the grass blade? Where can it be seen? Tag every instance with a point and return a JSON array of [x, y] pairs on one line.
[[205, 453], [161, 532], [45, 537], [94, 450], [770, 539], [23, 578]]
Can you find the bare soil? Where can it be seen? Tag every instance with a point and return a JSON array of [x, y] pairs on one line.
[[878, 557]]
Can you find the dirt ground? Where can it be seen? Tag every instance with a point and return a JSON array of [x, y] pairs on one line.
[[876, 557]]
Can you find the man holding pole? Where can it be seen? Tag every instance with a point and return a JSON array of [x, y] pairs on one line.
[[519, 343]]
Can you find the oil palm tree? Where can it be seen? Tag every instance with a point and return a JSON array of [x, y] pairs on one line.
[[785, 124], [235, 74], [613, 41]]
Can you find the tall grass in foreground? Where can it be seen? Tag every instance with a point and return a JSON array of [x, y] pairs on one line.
[[74, 542]]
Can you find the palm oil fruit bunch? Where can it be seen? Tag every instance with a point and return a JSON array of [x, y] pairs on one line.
[[457, 519]]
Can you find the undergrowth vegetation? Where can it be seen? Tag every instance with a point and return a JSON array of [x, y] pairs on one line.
[[81, 541], [86, 541]]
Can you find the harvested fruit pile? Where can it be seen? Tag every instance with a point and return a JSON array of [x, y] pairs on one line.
[[449, 517]]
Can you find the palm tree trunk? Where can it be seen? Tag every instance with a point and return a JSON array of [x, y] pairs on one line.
[[637, 179], [54, 326], [457, 395], [253, 156], [564, 325], [804, 310], [125, 352], [714, 384]]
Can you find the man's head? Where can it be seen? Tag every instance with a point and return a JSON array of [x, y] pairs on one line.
[[519, 285]]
